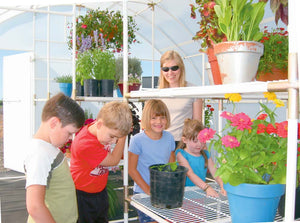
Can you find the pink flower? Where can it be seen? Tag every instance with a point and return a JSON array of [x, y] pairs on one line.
[[206, 134], [227, 115], [83, 26], [241, 121], [230, 141]]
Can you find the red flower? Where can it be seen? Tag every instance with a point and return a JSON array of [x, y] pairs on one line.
[[262, 117], [83, 26], [271, 129], [282, 129], [261, 128]]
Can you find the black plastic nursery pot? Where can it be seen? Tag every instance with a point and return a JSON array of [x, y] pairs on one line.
[[167, 186]]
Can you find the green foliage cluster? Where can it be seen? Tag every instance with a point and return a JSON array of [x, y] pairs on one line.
[[63, 79], [239, 19]]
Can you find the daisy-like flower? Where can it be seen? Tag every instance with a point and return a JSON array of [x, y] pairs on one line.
[[234, 97], [241, 121], [206, 134], [270, 96], [230, 141]]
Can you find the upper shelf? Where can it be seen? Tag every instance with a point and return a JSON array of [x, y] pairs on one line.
[[249, 90]]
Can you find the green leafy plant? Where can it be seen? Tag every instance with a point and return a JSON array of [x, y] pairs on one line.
[[134, 70], [251, 151], [95, 64], [168, 167], [102, 29], [63, 79], [208, 113], [240, 19], [209, 32], [276, 50]]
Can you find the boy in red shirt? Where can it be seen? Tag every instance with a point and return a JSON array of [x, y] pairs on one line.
[[91, 157]]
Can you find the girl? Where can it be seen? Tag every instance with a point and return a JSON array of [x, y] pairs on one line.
[[154, 145], [192, 154]]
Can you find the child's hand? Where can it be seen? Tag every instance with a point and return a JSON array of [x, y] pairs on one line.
[[211, 192], [223, 192]]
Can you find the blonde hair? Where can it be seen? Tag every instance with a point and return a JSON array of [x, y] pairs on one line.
[[190, 131], [167, 56], [154, 107], [116, 115]]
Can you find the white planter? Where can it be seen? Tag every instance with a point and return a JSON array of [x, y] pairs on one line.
[[238, 60]]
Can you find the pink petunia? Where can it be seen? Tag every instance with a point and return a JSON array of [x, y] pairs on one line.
[[206, 134], [227, 115], [230, 141], [241, 121]]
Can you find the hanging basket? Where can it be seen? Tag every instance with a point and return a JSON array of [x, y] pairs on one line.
[[238, 60], [253, 202]]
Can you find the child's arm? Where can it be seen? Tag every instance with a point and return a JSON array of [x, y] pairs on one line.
[[194, 178], [35, 203], [212, 169], [134, 173], [113, 158], [172, 157]]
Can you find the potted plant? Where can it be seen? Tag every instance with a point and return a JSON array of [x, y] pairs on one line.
[[252, 157], [65, 84], [167, 182], [102, 29], [209, 33], [239, 20], [134, 73], [95, 65], [273, 64]]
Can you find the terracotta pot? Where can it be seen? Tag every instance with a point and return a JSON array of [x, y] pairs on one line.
[[276, 74], [214, 66]]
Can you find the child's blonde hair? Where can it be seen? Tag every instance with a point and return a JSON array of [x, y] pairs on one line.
[[116, 115], [154, 107], [190, 131]]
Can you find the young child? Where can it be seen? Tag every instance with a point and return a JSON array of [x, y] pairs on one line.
[[91, 157], [152, 146], [192, 154], [50, 191]]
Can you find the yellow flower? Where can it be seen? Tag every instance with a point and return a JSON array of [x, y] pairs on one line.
[[278, 103], [235, 97], [270, 96]]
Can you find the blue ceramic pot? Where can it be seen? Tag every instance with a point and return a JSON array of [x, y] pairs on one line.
[[253, 202], [66, 88]]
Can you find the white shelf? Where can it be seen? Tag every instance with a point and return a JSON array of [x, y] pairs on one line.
[[248, 90]]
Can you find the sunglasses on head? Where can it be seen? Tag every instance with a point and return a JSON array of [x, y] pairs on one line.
[[173, 68]]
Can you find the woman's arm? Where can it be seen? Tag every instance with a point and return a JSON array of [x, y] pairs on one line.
[[197, 109], [194, 178], [134, 173], [35, 203]]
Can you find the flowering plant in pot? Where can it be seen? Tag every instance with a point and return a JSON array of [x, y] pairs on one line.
[[102, 29], [276, 50], [209, 33], [252, 155]]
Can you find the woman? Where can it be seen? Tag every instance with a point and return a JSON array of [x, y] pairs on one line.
[[172, 75]]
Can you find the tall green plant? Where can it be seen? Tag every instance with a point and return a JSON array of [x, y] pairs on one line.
[[95, 64], [240, 19]]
